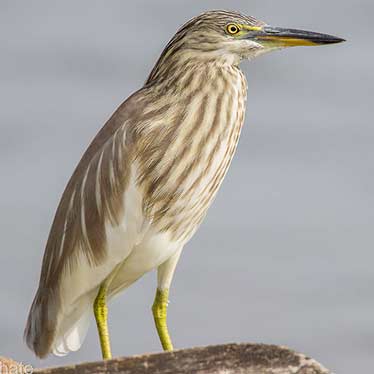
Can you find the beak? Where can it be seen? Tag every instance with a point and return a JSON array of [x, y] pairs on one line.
[[280, 37]]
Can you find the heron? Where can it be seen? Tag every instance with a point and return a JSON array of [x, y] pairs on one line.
[[146, 181]]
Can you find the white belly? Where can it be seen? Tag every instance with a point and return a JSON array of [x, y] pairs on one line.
[[155, 249], [134, 243]]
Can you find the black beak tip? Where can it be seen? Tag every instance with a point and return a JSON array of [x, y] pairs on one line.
[[334, 40], [322, 39]]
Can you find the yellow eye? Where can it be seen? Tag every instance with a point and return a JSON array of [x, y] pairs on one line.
[[232, 28]]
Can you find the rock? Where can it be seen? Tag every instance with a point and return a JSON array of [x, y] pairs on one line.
[[221, 359]]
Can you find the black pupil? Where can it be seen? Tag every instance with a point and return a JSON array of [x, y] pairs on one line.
[[233, 29]]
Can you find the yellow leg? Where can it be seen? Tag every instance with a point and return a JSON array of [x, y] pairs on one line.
[[159, 310], [101, 316]]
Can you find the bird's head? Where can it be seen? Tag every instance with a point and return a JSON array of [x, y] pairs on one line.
[[230, 37]]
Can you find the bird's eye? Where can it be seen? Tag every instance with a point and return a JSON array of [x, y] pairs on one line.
[[232, 28]]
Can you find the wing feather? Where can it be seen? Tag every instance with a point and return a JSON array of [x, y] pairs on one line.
[[92, 198]]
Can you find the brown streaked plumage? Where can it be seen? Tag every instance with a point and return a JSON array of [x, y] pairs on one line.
[[146, 181]]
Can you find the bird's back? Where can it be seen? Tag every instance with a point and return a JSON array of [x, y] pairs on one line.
[[77, 242]]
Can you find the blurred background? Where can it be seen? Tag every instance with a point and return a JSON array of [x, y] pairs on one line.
[[286, 253]]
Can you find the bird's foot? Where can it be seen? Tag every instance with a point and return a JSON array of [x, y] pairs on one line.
[[159, 310]]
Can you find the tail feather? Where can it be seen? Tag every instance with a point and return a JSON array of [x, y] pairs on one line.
[[41, 323], [49, 330], [72, 340]]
